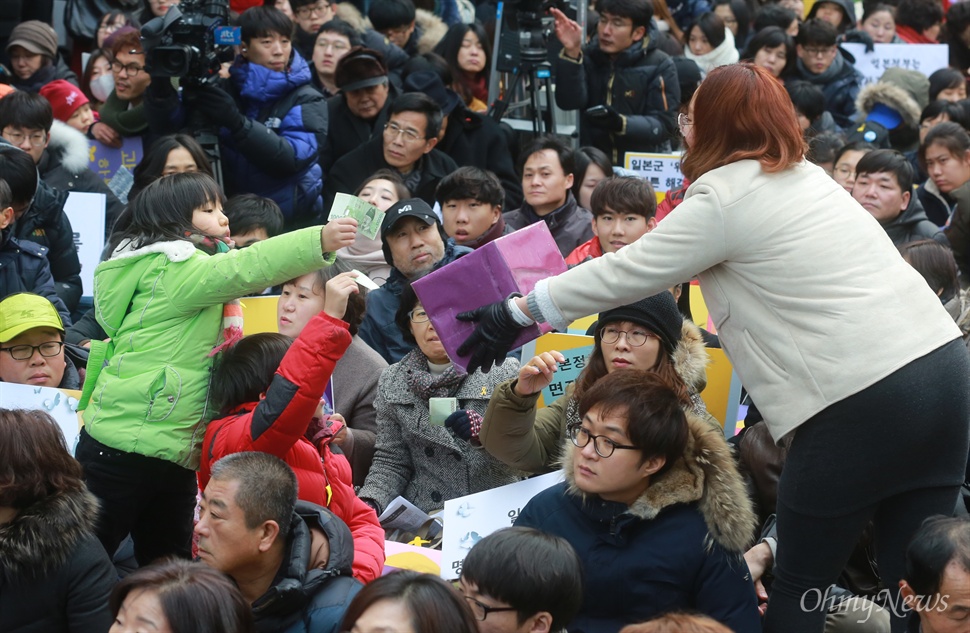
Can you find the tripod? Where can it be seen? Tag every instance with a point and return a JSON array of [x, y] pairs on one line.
[[539, 73]]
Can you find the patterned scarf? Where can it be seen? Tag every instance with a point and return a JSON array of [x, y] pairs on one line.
[[232, 317], [424, 384]]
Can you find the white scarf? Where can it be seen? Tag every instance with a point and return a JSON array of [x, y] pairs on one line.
[[721, 56]]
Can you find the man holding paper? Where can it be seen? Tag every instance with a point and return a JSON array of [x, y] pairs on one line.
[[414, 244]]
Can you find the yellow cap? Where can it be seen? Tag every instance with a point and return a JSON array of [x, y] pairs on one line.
[[25, 311]]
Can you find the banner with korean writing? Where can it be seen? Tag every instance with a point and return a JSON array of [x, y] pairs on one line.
[[662, 171], [924, 58], [106, 161], [575, 347], [469, 519]]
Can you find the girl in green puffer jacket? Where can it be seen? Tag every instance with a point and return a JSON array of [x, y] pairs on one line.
[[166, 298]]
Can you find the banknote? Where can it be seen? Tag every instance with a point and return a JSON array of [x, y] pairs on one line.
[[368, 216]]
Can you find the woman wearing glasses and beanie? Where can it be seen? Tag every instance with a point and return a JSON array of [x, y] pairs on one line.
[[653, 504], [420, 455], [842, 345], [649, 335]]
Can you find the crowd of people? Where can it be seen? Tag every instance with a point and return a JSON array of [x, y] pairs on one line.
[[230, 483]]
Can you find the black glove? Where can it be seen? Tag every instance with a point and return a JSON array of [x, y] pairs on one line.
[[217, 106], [459, 424], [491, 341], [610, 120], [858, 36]]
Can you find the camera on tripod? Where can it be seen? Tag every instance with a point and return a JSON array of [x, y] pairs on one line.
[[191, 41], [525, 33]]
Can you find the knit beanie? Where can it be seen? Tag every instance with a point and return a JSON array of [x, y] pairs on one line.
[[65, 98], [658, 313], [36, 37]]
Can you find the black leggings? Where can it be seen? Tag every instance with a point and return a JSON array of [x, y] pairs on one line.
[[894, 453]]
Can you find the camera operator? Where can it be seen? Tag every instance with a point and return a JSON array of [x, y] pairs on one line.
[[271, 121], [625, 84]]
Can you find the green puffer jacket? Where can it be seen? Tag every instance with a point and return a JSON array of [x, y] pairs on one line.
[[162, 307]]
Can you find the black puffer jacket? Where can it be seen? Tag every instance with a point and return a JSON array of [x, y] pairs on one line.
[[45, 223], [54, 574], [348, 132], [570, 224], [640, 83], [912, 224], [305, 596]]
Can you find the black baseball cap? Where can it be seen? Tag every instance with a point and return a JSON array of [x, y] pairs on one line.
[[413, 207]]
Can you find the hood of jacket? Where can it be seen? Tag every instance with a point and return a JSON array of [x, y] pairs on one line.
[[347, 12], [432, 29], [43, 535], [116, 281], [889, 95], [259, 84], [706, 474], [44, 210], [691, 358], [67, 147], [300, 577]]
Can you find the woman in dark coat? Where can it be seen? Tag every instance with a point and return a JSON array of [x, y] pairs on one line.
[[54, 575]]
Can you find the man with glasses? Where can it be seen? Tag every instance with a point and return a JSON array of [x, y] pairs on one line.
[[59, 151], [123, 114], [654, 506], [406, 145], [625, 85], [32, 348], [512, 593], [334, 40], [311, 15], [821, 63]]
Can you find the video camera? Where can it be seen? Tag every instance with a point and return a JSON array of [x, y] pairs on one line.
[[525, 33], [191, 41]]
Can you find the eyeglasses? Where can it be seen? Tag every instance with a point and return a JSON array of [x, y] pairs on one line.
[[603, 445], [336, 45], [844, 171], [617, 23], [26, 352], [319, 8], [635, 338], [110, 28], [393, 130], [131, 70], [418, 316], [37, 139], [481, 611], [683, 121], [819, 52]]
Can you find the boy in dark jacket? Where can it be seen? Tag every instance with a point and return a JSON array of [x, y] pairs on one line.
[[626, 86], [821, 62]]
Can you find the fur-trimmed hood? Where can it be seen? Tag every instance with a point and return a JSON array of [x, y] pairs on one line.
[[43, 536], [68, 147], [691, 358], [706, 475], [890, 95], [432, 28]]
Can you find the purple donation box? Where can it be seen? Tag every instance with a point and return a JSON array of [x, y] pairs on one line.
[[512, 263]]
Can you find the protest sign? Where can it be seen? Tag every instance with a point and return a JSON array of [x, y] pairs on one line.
[[471, 518], [662, 171], [86, 214], [512, 263], [403, 556], [106, 161], [924, 58], [575, 347], [60, 404], [369, 217], [259, 314]]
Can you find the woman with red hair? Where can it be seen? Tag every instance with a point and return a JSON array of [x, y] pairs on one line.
[[836, 339]]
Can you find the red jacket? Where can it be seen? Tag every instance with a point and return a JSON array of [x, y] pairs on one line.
[[590, 249], [277, 424]]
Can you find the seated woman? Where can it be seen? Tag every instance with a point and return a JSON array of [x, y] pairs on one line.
[[944, 155], [650, 335], [425, 463], [654, 506], [356, 373], [54, 574], [270, 393]]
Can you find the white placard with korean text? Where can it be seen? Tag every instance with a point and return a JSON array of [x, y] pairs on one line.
[[924, 58], [60, 405], [86, 213], [662, 171], [469, 519]]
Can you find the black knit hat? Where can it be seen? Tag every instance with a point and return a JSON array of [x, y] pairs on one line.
[[658, 313]]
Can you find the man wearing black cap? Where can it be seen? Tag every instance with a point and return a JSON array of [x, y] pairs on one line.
[[407, 145], [361, 109], [414, 243], [471, 139]]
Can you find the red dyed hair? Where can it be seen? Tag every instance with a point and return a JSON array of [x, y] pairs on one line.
[[742, 112]]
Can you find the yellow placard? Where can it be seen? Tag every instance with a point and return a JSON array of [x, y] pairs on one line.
[[259, 314], [567, 372]]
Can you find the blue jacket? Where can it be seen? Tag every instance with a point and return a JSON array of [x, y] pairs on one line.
[[379, 329], [283, 165], [24, 268], [678, 547]]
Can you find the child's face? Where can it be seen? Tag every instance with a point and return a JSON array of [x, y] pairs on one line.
[[210, 220], [82, 118]]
